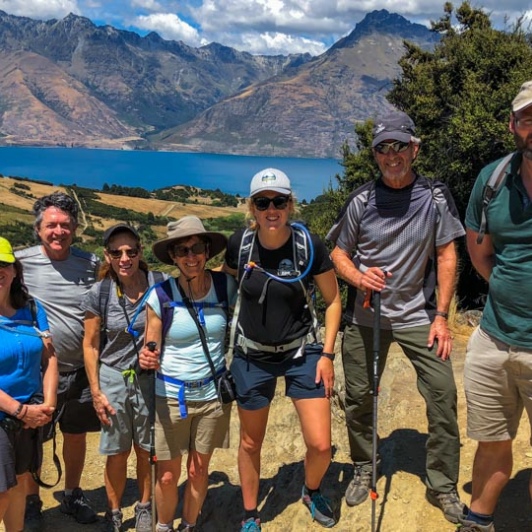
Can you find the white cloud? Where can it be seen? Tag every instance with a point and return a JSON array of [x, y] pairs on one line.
[[274, 44], [150, 5], [260, 26], [40, 9], [169, 26]]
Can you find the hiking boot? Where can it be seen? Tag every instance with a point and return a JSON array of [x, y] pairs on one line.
[[251, 525], [358, 490], [78, 507], [465, 525], [113, 519], [143, 517], [449, 503], [33, 518], [320, 508]]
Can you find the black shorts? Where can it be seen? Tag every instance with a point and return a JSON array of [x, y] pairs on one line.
[[74, 412], [20, 451]]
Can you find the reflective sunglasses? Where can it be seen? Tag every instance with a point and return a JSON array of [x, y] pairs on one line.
[[116, 254], [397, 147], [5, 264], [197, 249], [279, 202]]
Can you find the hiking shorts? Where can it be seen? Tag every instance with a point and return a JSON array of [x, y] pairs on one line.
[[498, 385], [18, 453], [75, 412], [256, 381], [205, 428], [130, 399]]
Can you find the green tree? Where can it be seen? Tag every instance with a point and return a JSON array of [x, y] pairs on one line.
[[459, 94]]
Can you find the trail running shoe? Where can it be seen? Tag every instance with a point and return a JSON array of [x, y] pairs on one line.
[[465, 525], [449, 503], [319, 507], [251, 525], [33, 518], [143, 517], [359, 487], [113, 519], [78, 507]]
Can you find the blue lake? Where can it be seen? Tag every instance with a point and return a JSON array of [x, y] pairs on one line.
[[151, 170]]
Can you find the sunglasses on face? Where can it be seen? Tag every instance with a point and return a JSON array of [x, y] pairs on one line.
[[116, 254], [397, 147], [4, 264], [279, 202], [196, 249]]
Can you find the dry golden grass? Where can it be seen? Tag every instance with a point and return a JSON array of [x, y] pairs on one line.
[[142, 205]]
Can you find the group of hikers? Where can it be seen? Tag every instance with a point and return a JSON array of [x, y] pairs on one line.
[[142, 357]]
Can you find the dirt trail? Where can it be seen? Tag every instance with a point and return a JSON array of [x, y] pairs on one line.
[[401, 506]]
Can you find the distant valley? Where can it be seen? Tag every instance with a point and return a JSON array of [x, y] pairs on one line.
[[71, 83]]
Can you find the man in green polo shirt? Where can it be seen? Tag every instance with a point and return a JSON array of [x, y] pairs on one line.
[[498, 368]]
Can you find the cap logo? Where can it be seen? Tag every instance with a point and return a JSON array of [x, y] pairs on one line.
[[269, 178], [380, 128]]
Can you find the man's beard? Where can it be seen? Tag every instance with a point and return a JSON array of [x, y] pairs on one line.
[[524, 146]]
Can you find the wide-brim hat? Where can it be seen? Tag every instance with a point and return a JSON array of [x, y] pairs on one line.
[[183, 228]]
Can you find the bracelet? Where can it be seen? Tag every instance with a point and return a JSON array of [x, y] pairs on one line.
[[330, 356], [442, 314], [25, 412], [17, 412]]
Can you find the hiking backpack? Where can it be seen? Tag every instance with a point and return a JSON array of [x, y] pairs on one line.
[[494, 184], [301, 256]]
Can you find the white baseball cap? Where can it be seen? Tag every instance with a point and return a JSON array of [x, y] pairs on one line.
[[270, 179]]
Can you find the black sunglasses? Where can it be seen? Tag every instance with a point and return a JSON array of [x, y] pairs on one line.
[[397, 147], [116, 254], [279, 202], [197, 249], [5, 264]]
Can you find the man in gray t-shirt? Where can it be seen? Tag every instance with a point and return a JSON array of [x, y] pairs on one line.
[[59, 276], [395, 235]]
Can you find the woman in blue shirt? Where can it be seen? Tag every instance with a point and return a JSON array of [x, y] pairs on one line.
[[26, 352]]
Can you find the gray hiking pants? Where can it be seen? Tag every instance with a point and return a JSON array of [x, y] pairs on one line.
[[435, 382]]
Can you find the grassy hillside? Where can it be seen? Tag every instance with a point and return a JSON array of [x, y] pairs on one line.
[[101, 210]]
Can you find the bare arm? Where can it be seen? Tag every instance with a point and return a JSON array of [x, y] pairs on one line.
[[50, 373], [91, 355], [482, 255], [372, 279], [328, 287], [154, 330], [447, 259], [227, 269]]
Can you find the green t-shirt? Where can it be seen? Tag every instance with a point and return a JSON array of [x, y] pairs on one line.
[[508, 312]]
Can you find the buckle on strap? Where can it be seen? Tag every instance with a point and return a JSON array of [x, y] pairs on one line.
[[246, 343]]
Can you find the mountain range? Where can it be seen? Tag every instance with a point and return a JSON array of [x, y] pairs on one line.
[[69, 82]]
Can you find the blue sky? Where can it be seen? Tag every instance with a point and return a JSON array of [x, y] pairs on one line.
[[256, 26]]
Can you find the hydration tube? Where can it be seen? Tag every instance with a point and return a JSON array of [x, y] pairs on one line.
[[250, 265]]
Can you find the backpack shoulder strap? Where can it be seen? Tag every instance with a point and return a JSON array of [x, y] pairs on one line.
[[495, 182], [103, 302], [219, 280], [165, 293], [156, 277], [245, 250], [33, 311]]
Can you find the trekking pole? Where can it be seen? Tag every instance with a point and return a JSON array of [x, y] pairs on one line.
[[153, 456], [376, 349]]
